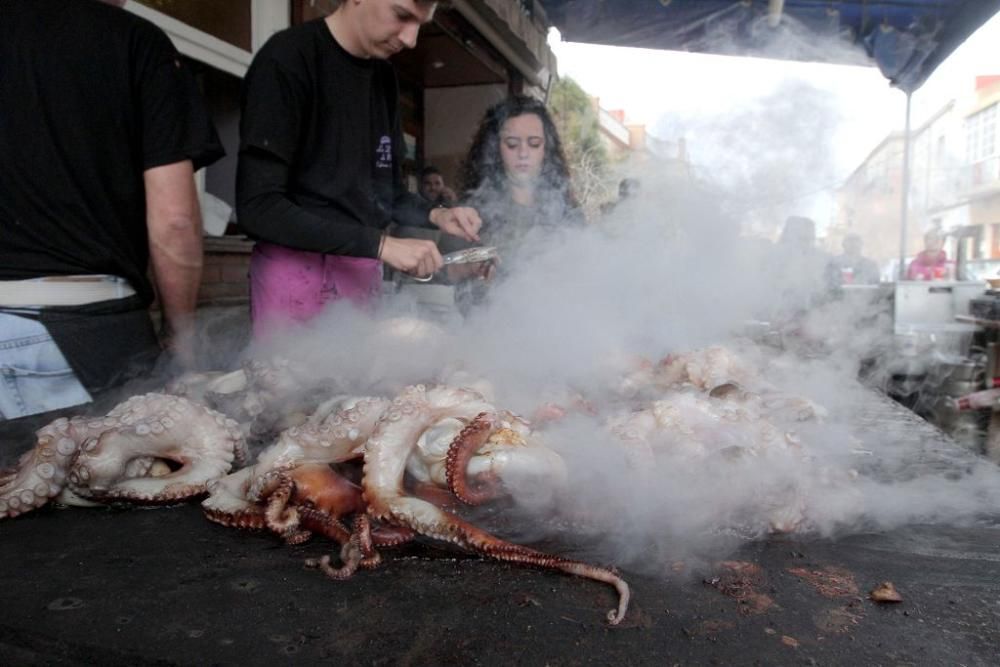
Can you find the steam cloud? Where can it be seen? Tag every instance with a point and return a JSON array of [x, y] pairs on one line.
[[668, 273]]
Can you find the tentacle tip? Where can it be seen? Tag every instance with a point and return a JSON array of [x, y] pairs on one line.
[[614, 617], [313, 563]]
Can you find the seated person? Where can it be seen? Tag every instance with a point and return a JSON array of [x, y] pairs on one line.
[[851, 267], [931, 263], [433, 188]]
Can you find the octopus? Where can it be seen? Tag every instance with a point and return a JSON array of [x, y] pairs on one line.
[[387, 502], [427, 450], [264, 397], [726, 431], [705, 368], [700, 369], [150, 449], [335, 433]]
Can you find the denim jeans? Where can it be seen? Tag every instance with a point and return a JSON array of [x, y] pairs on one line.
[[34, 375]]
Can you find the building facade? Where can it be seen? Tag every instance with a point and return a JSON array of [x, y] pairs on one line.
[[954, 187]]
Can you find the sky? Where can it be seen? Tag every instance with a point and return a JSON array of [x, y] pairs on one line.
[[668, 90]]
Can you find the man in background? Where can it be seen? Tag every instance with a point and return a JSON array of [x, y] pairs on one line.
[[851, 267], [101, 132], [433, 188]]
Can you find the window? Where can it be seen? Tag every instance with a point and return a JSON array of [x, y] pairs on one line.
[[980, 134]]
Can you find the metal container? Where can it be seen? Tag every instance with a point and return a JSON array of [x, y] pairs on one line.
[[961, 370], [956, 388], [930, 303]]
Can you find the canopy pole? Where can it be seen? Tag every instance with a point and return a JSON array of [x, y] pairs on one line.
[[906, 190], [774, 9]]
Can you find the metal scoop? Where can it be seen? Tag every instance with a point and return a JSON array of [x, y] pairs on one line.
[[468, 256]]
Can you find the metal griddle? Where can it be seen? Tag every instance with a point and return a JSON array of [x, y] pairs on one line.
[[167, 587]]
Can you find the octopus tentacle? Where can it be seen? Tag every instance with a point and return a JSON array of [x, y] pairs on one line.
[[226, 503], [350, 556], [173, 428], [281, 518], [295, 537], [461, 451], [363, 531], [249, 518], [435, 495], [391, 536], [435, 523], [337, 438], [358, 552], [40, 473], [325, 524], [311, 498], [385, 456]]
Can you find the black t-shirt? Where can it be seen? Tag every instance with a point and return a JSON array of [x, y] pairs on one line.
[[321, 147], [91, 97]]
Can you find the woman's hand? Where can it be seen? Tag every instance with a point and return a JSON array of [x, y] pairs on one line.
[[417, 257], [462, 221]]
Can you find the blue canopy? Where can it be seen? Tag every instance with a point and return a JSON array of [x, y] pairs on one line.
[[906, 39]]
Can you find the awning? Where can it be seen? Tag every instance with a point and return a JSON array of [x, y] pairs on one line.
[[906, 39]]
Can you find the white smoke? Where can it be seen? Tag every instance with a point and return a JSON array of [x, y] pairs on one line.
[[667, 274]]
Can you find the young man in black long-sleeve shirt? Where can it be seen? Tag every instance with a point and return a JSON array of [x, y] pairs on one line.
[[319, 174]]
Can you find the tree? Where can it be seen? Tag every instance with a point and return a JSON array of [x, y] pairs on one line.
[[575, 116]]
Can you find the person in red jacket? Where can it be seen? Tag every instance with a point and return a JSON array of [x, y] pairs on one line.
[[932, 262]]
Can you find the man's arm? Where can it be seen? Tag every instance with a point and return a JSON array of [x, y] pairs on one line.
[[173, 219]]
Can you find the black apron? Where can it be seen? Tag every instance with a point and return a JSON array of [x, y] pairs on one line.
[[106, 343]]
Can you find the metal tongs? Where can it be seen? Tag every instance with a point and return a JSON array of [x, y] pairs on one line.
[[475, 255]]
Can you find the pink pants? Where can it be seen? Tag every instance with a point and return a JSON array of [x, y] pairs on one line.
[[293, 286]]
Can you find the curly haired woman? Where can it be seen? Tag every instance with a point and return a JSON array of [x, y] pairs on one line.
[[516, 176]]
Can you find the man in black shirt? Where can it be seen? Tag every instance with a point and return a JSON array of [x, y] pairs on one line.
[[101, 131], [319, 174]]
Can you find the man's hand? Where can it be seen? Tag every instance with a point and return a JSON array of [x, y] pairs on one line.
[[462, 221], [178, 340], [416, 257]]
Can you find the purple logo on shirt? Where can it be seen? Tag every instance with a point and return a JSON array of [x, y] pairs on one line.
[[383, 154]]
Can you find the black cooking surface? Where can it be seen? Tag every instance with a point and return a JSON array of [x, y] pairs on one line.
[[166, 587]]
